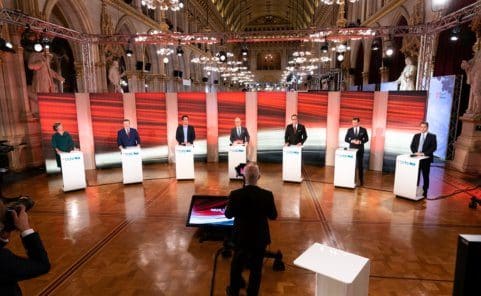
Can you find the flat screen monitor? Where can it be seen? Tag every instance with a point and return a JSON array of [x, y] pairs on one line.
[[208, 211]]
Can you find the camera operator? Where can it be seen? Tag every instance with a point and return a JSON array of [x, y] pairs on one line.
[[250, 206], [14, 268]]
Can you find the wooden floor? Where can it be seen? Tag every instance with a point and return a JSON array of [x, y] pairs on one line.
[[113, 239]]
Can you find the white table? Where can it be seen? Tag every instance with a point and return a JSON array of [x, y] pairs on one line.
[[184, 162], [345, 168], [236, 155], [132, 165], [406, 177], [337, 272], [73, 170], [292, 163]]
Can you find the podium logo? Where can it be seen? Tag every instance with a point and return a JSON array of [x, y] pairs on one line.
[[345, 155], [292, 152], [409, 163], [184, 150], [131, 153], [71, 158], [237, 150]]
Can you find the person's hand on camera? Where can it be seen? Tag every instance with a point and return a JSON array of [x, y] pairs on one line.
[[21, 219]]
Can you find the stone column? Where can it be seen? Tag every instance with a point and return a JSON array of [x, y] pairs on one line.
[[384, 71]]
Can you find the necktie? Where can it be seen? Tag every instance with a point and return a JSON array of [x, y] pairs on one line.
[[238, 131], [421, 142], [355, 132], [185, 134], [295, 127], [128, 132]]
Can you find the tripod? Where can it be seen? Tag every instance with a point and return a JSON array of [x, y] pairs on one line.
[[226, 252]]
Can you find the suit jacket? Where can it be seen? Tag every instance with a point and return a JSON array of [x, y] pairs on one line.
[[14, 268], [251, 206], [179, 134], [430, 145], [244, 136], [130, 140], [362, 136], [294, 137]]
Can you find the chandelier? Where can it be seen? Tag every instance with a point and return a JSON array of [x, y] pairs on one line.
[[174, 5], [330, 2]]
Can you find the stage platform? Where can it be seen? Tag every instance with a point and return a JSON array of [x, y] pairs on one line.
[[115, 239]]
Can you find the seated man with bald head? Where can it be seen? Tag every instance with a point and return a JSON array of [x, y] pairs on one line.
[[251, 207]]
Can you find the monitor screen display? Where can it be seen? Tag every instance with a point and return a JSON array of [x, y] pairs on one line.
[[208, 210]]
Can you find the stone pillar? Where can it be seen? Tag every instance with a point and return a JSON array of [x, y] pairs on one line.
[[467, 153], [365, 78]]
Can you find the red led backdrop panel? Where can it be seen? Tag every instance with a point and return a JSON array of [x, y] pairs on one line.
[[271, 119], [230, 105], [355, 104], [312, 112], [193, 104], [151, 118], [405, 110], [107, 112], [56, 108]]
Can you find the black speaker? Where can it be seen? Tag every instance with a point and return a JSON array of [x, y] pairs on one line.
[[148, 66], [467, 275], [139, 65], [180, 73], [205, 79]]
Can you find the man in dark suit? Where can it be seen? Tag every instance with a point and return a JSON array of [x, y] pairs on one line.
[[239, 134], [356, 136], [14, 268], [127, 137], [251, 208], [185, 134], [424, 144], [295, 133]]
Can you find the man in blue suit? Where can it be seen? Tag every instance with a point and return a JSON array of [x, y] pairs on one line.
[[127, 137], [185, 134]]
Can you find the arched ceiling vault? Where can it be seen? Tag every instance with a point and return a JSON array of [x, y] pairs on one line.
[[239, 14]]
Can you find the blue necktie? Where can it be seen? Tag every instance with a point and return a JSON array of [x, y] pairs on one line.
[[185, 134]]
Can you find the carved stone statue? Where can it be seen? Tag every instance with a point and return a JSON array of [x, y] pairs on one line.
[[115, 76], [473, 73], [43, 75], [407, 78]]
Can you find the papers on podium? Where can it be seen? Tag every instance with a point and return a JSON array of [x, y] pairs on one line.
[[132, 165], [292, 163], [73, 170], [345, 168], [337, 272], [184, 162], [236, 156], [406, 177]]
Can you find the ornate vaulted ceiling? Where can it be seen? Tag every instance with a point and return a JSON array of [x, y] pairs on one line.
[[252, 15]]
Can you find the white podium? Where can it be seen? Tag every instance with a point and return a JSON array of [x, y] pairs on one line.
[[406, 177], [338, 273], [292, 163], [132, 165], [73, 170], [184, 162], [236, 155], [345, 168]]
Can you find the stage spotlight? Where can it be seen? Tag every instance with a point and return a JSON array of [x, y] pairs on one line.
[[166, 60], [340, 57], [129, 52], [325, 47], [388, 48], [244, 51], [6, 45], [222, 55], [375, 45], [179, 51], [181, 4], [37, 47], [455, 32]]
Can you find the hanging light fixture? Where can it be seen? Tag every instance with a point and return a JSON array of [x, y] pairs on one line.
[[173, 5]]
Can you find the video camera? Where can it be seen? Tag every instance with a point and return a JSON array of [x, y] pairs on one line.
[[14, 204]]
